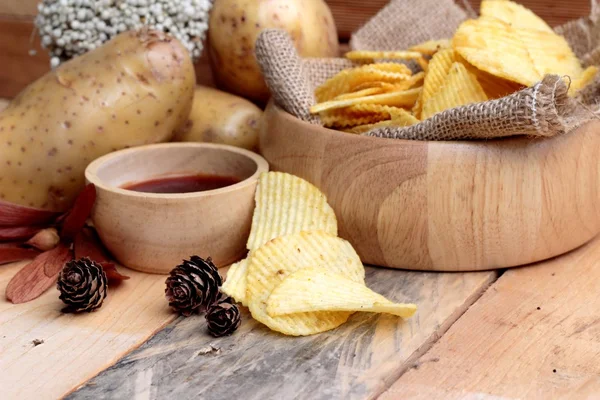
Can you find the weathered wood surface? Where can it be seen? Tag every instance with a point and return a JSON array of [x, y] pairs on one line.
[[358, 360], [535, 334], [75, 347], [19, 69]]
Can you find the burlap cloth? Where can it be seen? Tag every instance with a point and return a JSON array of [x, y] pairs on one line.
[[540, 111]]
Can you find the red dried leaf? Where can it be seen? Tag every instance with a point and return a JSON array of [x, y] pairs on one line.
[[80, 212], [112, 274], [88, 245], [16, 215], [37, 276], [12, 254], [18, 232]]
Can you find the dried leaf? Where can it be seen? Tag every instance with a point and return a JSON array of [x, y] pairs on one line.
[[112, 274], [37, 276], [44, 240], [16, 215], [12, 254], [88, 245], [18, 232], [80, 212]]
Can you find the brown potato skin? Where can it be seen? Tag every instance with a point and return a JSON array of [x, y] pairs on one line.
[[136, 89], [220, 117], [235, 24]]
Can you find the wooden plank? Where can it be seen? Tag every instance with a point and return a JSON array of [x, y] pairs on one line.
[[25, 8], [358, 360], [534, 334], [350, 15], [76, 347], [19, 68]]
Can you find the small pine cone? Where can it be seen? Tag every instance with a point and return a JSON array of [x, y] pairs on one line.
[[193, 286], [223, 318], [82, 285]]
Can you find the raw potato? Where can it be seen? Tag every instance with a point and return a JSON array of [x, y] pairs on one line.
[[135, 89], [235, 24], [220, 117]]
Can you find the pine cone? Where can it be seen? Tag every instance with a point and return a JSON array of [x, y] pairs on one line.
[[82, 285], [193, 286], [223, 318]]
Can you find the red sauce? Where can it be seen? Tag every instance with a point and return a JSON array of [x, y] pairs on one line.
[[182, 184]]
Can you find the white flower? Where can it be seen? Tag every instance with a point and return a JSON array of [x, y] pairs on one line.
[[69, 28]]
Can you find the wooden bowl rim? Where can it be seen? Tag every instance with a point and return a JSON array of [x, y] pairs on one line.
[[461, 142], [92, 177]]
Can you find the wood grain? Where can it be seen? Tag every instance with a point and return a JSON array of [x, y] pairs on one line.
[[75, 347], [356, 361], [535, 334], [25, 8], [453, 206]]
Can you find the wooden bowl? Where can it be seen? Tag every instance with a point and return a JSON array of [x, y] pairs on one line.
[[153, 232], [448, 206]]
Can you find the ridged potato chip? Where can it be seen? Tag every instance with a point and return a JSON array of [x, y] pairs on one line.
[[273, 262], [316, 289], [385, 55], [393, 67], [459, 88], [397, 99], [583, 80], [439, 67], [360, 93], [347, 80], [287, 204], [235, 284], [551, 54], [493, 86], [513, 14], [400, 117], [431, 47], [495, 47]]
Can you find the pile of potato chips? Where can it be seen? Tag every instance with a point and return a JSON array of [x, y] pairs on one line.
[[506, 49], [299, 277]]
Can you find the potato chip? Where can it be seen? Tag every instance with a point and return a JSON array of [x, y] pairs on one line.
[[551, 54], [493, 86], [495, 47], [392, 67], [341, 118], [583, 80], [347, 80], [235, 284], [411, 82], [316, 289], [431, 47], [273, 262], [400, 117], [513, 14], [287, 204], [360, 93], [423, 63], [385, 55], [439, 67], [460, 88], [397, 99]]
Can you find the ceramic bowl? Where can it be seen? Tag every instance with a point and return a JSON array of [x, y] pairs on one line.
[[451, 206], [153, 232]]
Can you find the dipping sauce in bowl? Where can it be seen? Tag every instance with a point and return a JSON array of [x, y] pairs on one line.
[[182, 184]]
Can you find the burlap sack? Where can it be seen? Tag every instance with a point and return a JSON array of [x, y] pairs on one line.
[[542, 110]]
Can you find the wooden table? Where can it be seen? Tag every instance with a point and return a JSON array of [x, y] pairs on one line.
[[529, 332]]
